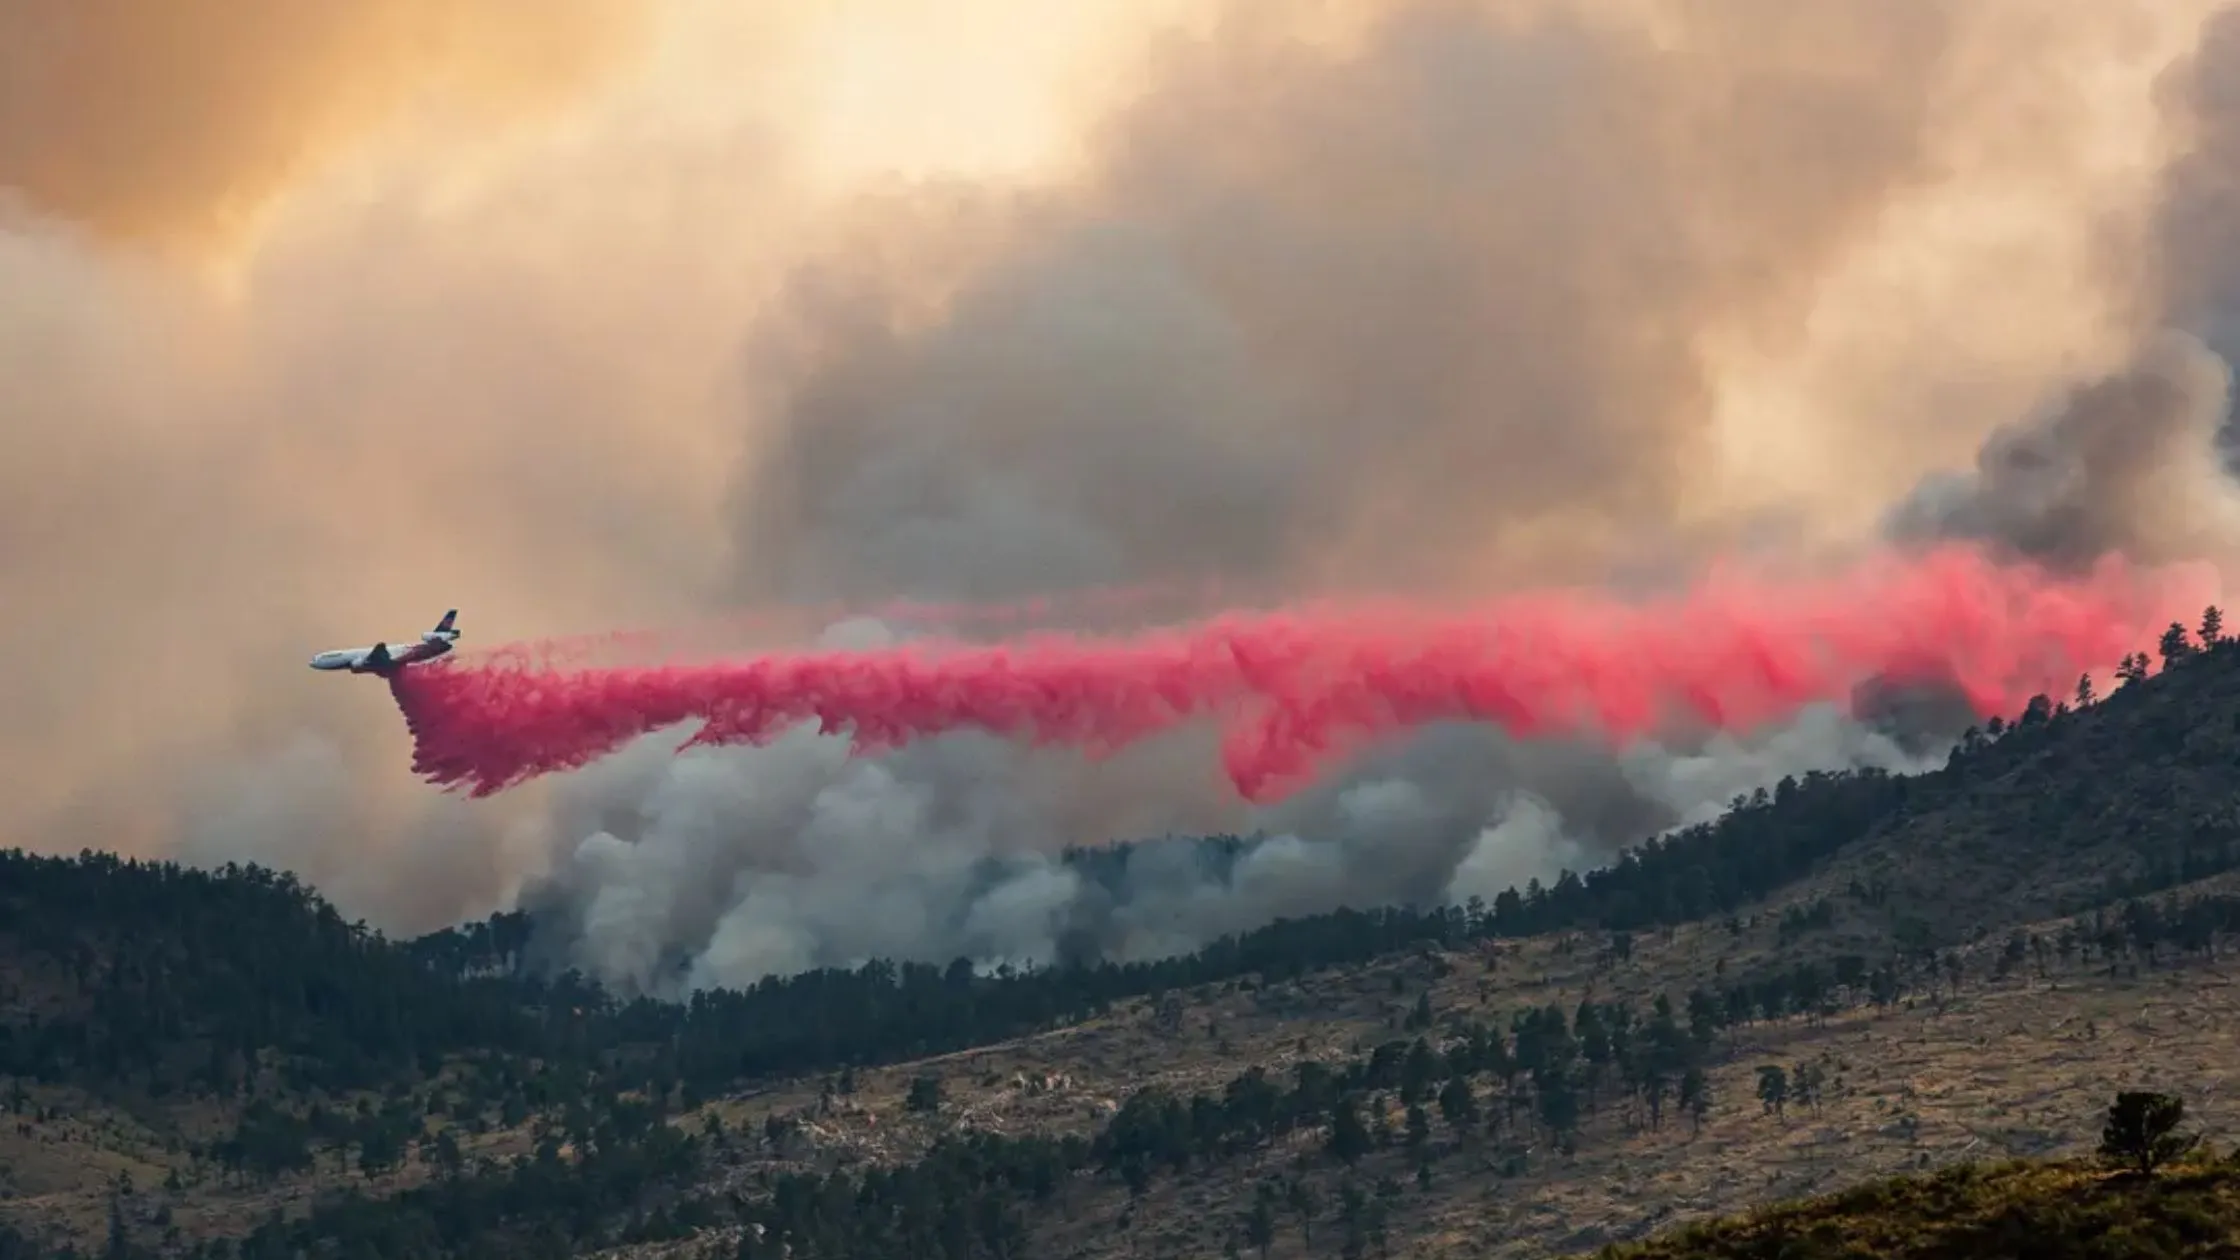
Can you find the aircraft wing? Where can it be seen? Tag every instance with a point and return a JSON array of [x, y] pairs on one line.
[[378, 656]]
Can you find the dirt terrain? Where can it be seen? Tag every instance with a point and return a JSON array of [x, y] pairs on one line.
[[2014, 1066]]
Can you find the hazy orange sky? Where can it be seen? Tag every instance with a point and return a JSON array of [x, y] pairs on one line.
[[319, 318]]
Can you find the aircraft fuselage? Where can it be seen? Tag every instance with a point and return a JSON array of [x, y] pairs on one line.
[[360, 660], [381, 659]]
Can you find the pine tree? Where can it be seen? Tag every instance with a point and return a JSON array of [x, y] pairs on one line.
[[1695, 1097], [1260, 1227], [1349, 1137], [1418, 1071], [1304, 1203], [120, 1241], [2174, 645], [1419, 1127], [2141, 1131], [1773, 1089], [1458, 1105]]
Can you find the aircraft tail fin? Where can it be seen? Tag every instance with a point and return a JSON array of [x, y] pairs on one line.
[[446, 625]]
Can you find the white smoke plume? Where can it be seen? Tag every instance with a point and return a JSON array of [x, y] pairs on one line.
[[681, 316], [740, 864]]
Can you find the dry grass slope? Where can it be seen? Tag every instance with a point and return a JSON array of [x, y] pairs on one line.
[[2017, 1067], [2010, 1062], [1996, 1069], [2014, 1211]]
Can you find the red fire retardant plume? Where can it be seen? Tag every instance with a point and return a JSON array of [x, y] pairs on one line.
[[1293, 690]]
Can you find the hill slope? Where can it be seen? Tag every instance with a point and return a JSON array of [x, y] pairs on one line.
[[2018, 1211], [228, 1038]]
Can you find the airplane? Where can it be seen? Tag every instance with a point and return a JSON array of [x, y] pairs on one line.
[[378, 659]]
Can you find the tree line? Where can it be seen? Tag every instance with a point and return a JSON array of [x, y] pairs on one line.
[[273, 991], [1503, 1090], [255, 969]]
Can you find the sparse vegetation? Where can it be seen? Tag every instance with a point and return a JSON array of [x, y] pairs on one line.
[[2015, 1211], [300, 1085]]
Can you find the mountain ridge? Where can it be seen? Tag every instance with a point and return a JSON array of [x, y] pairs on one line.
[[231, 1027]]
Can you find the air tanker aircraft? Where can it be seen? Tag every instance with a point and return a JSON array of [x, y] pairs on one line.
[[378, 659]]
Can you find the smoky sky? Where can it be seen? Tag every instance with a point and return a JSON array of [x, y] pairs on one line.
[[1423, 312], [2128, 463], [2137, 461], [171, 125], [398, 313], [2197, 240]]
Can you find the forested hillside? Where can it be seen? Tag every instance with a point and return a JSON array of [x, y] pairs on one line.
[[460, 1105]]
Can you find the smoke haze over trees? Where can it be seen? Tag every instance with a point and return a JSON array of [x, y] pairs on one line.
[[1451, 299], [241, 990]]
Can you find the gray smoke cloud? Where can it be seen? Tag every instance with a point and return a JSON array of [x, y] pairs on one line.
[[736, 865], [1419, 294], [2128, 464], [2198, 218], [2137, 462], [1420, 314]]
